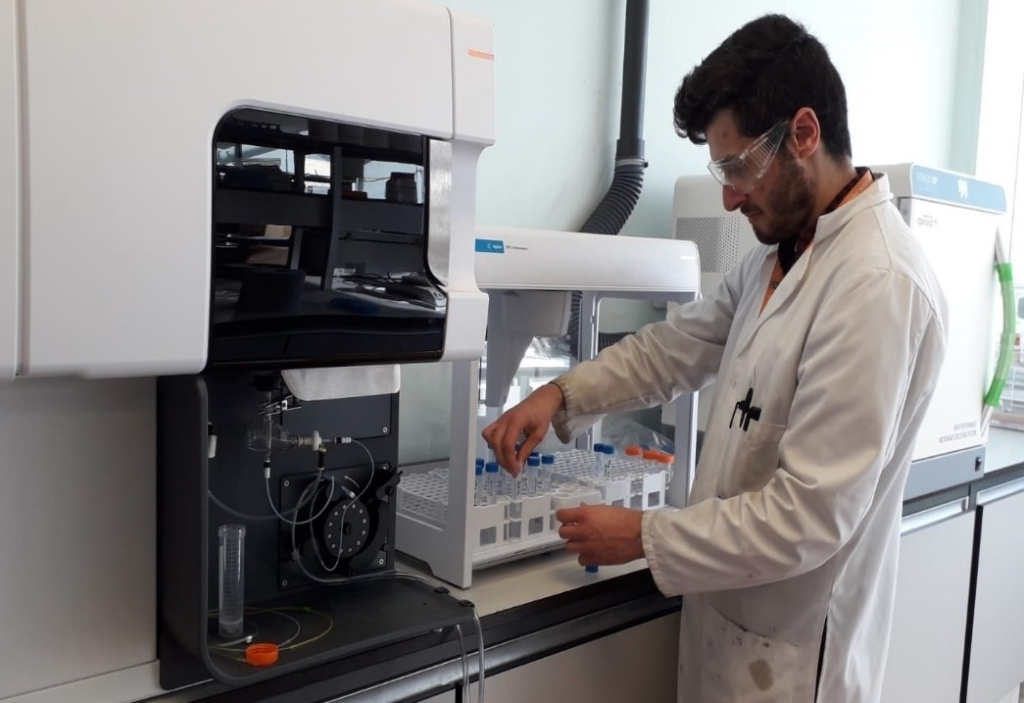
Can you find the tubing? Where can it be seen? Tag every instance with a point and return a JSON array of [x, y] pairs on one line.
[[614, 209]]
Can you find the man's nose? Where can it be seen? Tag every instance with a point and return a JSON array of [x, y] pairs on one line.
[[732, 199]]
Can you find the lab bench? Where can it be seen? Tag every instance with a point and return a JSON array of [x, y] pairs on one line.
[[530, 610], [551, 627]]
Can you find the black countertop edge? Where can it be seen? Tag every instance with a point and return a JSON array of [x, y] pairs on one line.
[[424, 666]]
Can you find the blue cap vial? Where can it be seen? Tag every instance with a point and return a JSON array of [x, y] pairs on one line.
[[547, 458]]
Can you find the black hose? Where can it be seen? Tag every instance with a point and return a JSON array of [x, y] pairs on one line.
[[634, 75], [610, 215], [615, 207]]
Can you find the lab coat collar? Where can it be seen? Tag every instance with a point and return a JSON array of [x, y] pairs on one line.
[[828, 225]]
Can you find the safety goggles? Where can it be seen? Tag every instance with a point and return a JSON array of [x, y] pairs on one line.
[[742, 171]]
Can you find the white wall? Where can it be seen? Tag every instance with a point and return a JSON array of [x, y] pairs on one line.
[[558, 72], [897, 58], [1002, 87]]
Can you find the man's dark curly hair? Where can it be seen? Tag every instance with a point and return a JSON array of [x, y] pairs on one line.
[[764, 72]]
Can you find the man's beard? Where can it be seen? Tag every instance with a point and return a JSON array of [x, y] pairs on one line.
[[790, 205]]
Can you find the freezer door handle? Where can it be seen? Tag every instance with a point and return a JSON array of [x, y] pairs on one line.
[[933, 516], [1003, 490]]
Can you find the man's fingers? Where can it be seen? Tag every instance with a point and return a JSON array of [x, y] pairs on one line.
[[569, 515], [572, 532], [530, 443], [502, 443]]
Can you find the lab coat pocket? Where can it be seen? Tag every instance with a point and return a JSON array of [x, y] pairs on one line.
[[737, 665], [754, 459]]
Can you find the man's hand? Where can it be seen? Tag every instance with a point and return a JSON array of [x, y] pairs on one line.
[[530, 419], [601, 534]]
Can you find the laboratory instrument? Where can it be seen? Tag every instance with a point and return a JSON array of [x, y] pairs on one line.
[[530, 276], [275, 232]]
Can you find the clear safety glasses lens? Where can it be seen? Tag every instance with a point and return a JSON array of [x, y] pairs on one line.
[[742, 171]]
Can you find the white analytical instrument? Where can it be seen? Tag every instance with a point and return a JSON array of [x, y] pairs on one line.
[[530, 276], [107, 177], [114, 198]]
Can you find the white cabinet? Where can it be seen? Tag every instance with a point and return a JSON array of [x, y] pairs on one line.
[[997, 637], [636, 664], [930, 618]]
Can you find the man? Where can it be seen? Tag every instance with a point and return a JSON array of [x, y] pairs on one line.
[[825, 342]]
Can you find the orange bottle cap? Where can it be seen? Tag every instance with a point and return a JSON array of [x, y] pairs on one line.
[[652, 454], [666, 458], [634, 450], [263, 654]]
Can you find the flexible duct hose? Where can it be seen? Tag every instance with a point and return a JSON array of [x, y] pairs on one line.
[[611, 213]]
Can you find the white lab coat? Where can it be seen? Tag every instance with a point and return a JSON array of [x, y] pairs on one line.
[[792, 529]]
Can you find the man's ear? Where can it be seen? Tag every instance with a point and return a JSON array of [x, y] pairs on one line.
[[806, 133]]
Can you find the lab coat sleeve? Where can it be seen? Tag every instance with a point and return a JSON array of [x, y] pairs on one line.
[[658, 362], [877, 342]]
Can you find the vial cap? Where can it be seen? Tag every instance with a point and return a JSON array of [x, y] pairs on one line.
[[480, 463], [533, 461], [599, 448], [262, 654], [492, 467], [479, 469], [608, 449], [634, 450], [547, 459], [592, 569]]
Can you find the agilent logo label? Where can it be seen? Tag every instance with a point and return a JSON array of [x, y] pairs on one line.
[[490, 246]]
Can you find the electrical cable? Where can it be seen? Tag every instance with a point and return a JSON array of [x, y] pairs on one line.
[[244, 516], [223, 649], [285, 645], [341, 530], [352, 501], [480, 656], [277, 515], [465, 663], [282, 518], [320, 473]]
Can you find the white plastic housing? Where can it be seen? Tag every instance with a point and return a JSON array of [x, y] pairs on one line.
[[121, 100], [534, 259], [956, 220]]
